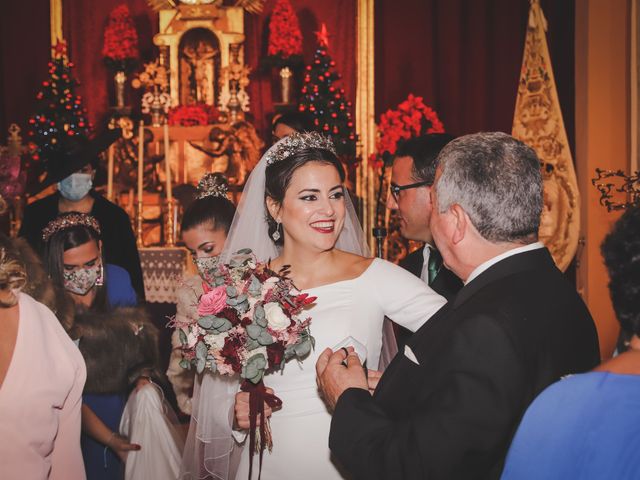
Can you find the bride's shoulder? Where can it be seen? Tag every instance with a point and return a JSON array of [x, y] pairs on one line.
[[355, 263]]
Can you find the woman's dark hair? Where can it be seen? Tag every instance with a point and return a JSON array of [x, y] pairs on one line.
[[280, 172], [67, 239], [299, 121], [621, 252], [212, 207]]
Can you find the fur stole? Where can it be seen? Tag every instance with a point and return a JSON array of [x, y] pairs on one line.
[[118, 347]]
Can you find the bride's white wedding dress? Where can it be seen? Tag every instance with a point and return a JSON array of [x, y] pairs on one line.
[[353, 308]]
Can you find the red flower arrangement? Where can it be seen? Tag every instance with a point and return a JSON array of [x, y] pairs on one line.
[[190, 115], [120, 48], [285, 37], [411, 119]]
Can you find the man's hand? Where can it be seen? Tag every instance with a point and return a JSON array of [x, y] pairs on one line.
[[241, 409], [334, 378], [373, 377]]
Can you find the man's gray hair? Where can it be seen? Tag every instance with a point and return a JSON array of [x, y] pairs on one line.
[[496, 180]]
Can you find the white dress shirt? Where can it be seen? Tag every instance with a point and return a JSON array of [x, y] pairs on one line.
[[424, 273], [509, 253]]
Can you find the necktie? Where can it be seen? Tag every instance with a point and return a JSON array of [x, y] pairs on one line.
[[434, 265]]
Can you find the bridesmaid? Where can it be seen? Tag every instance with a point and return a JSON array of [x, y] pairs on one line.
[[204, 228]]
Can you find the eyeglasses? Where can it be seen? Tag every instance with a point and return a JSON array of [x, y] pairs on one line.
[[396, 189]]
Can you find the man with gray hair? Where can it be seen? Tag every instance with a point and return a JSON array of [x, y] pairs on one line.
[[448, 405]]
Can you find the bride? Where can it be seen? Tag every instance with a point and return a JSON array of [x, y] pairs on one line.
[[296, 211]]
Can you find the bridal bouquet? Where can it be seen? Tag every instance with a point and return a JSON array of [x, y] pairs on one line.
[[249, 323]]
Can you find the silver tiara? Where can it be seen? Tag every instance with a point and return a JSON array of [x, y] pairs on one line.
[[298, 141], [211, 186]]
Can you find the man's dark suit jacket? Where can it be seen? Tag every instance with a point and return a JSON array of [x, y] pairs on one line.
[[118, 241], [446, 284], [482, 358]]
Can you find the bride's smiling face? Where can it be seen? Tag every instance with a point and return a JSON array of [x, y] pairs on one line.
[[313, 209]]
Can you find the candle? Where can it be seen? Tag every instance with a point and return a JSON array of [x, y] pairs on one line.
[[140, 160], [167, 166], [110, 174]]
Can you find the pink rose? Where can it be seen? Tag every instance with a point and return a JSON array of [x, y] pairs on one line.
[[213, 301]]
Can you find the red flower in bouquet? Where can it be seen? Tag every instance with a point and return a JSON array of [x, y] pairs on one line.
[[120, 48], [411, 119]]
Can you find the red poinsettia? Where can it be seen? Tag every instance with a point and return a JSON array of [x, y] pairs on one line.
[[120, 48], [285, 38], [411, 119], [190, 115]]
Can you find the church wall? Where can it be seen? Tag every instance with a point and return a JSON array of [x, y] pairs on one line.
[[602, 140]]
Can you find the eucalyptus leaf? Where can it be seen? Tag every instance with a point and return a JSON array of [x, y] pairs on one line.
[[252, 344], [200, 363], [260, 321], [255, 287], [254, 331], [302, 349], [201, 350], [265, 338], [242, 298], [243, 307], [182, 336], [206, 322], [184, 363], [258, 312], [232, 291], [244, 251], [224, 326], [219, 281], [232, 302]]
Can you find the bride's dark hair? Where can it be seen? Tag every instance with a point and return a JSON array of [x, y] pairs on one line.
[[278, 177]]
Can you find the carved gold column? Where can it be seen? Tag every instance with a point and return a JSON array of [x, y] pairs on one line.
[[55, 18], [365, 113]]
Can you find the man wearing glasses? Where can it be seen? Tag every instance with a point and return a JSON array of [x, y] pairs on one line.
[[412, 175]]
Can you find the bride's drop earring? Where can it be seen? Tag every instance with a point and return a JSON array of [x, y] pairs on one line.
[[276, 235]]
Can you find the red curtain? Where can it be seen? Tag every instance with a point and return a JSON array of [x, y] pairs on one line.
[[464, 58], [24, 53]]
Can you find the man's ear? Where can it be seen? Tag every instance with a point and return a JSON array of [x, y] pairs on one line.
[[460, 223], [273, 207]]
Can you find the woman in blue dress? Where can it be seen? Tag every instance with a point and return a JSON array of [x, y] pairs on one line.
[[587, 426], [117, 341]]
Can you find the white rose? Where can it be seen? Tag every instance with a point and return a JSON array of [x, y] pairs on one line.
[[276, 318]]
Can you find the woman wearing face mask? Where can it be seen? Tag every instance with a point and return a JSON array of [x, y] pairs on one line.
[[118, 344], [204, 228], [73, 174]]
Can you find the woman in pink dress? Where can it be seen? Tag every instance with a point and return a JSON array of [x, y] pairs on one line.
[[42, 375]]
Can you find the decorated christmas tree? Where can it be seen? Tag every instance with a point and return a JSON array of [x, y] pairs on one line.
[[325, 101], [61, 121], [285, 38]]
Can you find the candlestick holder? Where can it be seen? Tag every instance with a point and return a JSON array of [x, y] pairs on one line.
[[169, 234], [139, 241]]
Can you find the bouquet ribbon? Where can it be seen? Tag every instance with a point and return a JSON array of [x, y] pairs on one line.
[[258, 396]]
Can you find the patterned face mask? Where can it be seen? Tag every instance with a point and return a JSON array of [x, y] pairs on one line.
[[206, 266], [82, 280]]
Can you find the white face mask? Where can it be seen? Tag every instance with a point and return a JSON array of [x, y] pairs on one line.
[[76, 186], [82, 280], [206, 267]]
